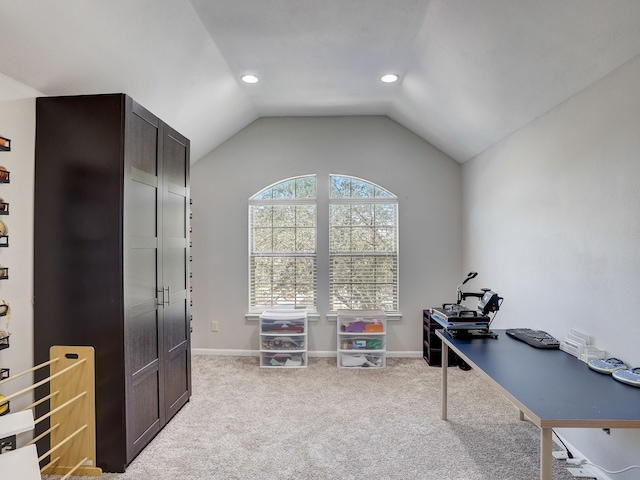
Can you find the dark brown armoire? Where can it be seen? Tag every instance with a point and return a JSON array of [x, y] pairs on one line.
[[112, 260]]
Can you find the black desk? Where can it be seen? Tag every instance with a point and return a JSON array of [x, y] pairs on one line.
[[552, 388]]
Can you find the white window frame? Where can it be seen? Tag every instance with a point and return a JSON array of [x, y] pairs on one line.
[[257, 202], [389, 199]]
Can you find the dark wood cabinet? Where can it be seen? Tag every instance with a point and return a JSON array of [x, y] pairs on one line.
[[112, 260], [431, 344]]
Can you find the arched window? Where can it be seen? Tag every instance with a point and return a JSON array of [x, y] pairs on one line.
[[282, 244], [363, 245]]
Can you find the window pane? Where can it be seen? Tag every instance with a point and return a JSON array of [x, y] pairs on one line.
[[300, 187], [340, 187], [283, 281], [261, 215], [385, 239], [341, 297], [339, 215], [262, 240], [385, 214], [350, 187], [362, 214], [340, 239], [262, 270], [341, 270], [284, 215], [285, 190], [305, 240], [283, 270], [362, 239], [283, 267], [363, 282], [305, 296], [306, 187], [360, 189], [385, 269], [305, 270], [266, 194], [284, 240], [306, 215], [385, 295]]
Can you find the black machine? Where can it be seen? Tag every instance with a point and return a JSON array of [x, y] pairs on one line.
[[465, 322]]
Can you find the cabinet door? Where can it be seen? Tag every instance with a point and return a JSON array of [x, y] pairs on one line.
[[142, 290], [176, 335]]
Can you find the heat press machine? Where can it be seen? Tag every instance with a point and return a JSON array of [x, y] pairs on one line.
[[463, 322]]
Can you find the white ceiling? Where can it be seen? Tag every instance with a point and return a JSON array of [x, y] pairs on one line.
[[472, 71]]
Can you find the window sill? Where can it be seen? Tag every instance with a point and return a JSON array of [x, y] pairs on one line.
[[391, 316], [314, 316]]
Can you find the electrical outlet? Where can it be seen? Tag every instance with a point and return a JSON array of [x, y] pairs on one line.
[[583, 472], [560, 455], [214, 326]]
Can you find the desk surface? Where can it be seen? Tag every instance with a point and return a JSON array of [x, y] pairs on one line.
[[552, 387]]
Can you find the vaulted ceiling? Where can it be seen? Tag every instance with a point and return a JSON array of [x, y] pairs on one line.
[[471, 71]]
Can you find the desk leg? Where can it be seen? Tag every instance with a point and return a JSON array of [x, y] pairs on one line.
[[445, 367], [545, 453]]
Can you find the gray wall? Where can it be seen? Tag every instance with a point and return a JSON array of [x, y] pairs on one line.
[[551, 219], [426, 181]]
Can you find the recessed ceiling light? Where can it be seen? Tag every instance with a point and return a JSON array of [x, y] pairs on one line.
[[250, 79], [389, 78]]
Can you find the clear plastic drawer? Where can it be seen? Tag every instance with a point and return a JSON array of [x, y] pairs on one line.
[[283, 360], [282, 342], [350, 342], [361, 360]]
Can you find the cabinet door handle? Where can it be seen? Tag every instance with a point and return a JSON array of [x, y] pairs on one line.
[[160, 292], [168, 295]]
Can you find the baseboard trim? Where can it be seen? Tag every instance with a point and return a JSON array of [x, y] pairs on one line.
[[316, 353], [220, 352], [405, 354]]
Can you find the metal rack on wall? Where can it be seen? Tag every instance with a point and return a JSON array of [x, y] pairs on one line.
[[5, 144], [5, 312]]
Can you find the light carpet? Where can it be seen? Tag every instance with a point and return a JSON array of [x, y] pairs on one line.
[[249, 423]]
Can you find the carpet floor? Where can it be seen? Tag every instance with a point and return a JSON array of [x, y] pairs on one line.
[[249, 423]]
